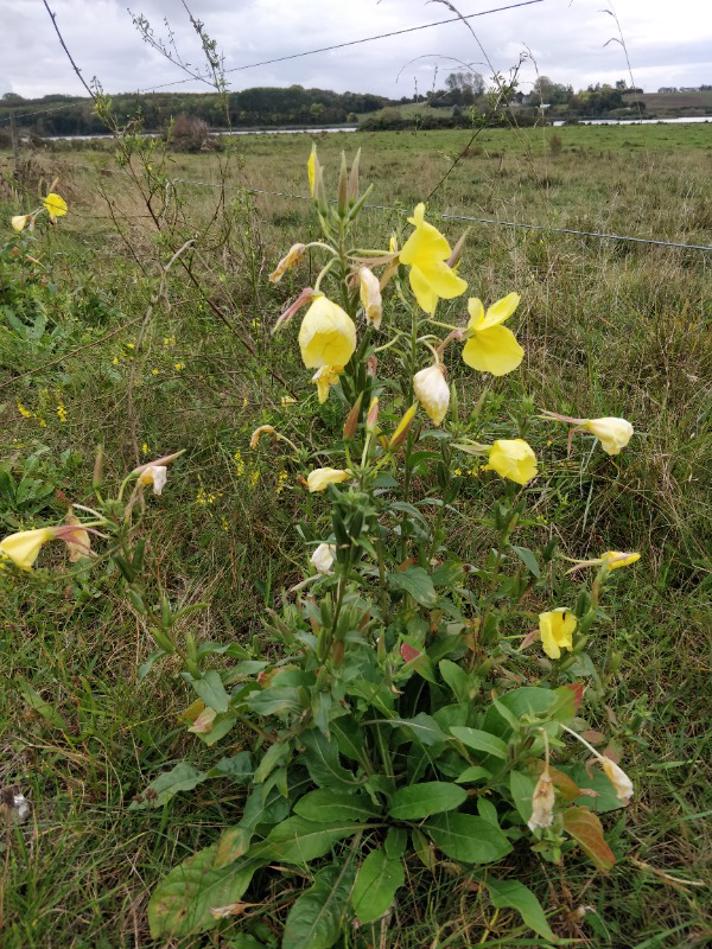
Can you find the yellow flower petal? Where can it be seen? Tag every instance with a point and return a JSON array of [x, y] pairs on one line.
[[55, 205], [512, 459], [19, 221], [476, 311], [24, 547], [493, 350], [327, 336], [426, 297], [324, 379], [320, 478], [500, 311], [613, 433], [556, 629], [615, 559]]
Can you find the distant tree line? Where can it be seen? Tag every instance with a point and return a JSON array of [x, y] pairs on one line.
[[294, 105]]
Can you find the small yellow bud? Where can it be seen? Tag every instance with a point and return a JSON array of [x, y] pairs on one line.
[[372, 417], [399, 435]]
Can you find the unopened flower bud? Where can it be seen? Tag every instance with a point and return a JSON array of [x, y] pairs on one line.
[[454, 258], [291, 259], [372, 417], [351, 423], [156, 476], [304, 298], [403, 427], [343, 187], [19, 221], [353, 188]]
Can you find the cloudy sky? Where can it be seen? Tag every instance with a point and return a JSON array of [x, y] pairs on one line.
[[669, 42]]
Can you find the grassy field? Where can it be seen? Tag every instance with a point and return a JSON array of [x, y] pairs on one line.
[[609, 328]]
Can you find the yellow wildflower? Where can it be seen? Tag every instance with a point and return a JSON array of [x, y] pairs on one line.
[[426, 253], [512, 459], [19, 221], [320, 478], [556, 628], [23, 410], [613, 433], [55, 205], [61, 413], [155, 475], [239, 463], [179, 366], [492, 347], [24, 547], [327, 336], [311, 171], [433, 392], [613, 559]]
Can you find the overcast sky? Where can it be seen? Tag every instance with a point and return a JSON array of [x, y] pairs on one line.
[[669, 42]]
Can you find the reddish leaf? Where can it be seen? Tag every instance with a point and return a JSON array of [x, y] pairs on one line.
[[409, 653], [585, 827], [578, 689]]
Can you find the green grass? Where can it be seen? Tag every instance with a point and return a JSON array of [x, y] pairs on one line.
[[609, 328]]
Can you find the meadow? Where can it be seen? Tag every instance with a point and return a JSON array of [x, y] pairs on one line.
[[93, 350]]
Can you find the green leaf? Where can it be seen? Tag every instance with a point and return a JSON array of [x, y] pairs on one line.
[[522, 787], [481, 741], [396, 839], [238, 768], [423, 727], [376, 883], [530, 701], [184, 777], [317, 918], [325, 806], [487, 811], [276, 700], [322, 761], [511, 894], [211, 690], [297, 840], [606, 798], [467, 838], [456, 677], [416, 582], [423, 800], [528, 559], [181, 903], [275, 755], [475, 773]]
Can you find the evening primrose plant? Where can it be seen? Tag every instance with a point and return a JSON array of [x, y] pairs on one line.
[[407, 707]]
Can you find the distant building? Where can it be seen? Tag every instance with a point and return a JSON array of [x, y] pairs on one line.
[[666, 90], [689, 89]]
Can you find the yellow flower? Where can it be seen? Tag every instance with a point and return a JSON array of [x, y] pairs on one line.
[[492, 347], [55, 205], [287, 400], [398, 436], [311, 171], [327, 336], [370, 293], [426, 253], [61, 413], [291, 259], [320, 478], [19, 221], [23, 410], [543, 800], [325, 378], [512, 459], [179, 366], [23, 547], [432, 392], [613, 433], [556, 629]]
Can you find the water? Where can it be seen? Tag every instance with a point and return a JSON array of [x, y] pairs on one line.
[[275, 131], [676, 121]]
